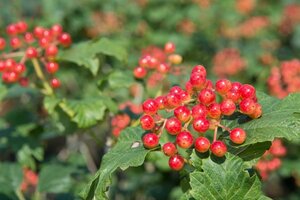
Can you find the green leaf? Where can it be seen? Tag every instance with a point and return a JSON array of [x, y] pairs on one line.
[[27, 155], [55, 178], [128, 152], [119, 79], [85, 53], [50, 103], [3, 91], [279, 120], [11, 177], [86, 112], [225, 179]]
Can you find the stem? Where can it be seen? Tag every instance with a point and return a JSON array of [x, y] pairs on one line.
[[187, 123], [187, 161], [162, 128], [224, 127], [13, 54], [40, 75], [20, 194], [215, 134]]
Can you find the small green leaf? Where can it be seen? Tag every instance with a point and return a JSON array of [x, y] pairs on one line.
[[3, 91], [120, 79], [11, 177], [27, 155], [225, 179], [50, 103], [122, 156]]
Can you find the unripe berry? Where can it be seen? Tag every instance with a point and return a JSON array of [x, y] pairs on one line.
[[150, 107], [238, 135], [257, 113], [247, 106], [227, 107], [173, 126], [176, 162], [170, 47], [218, 148], [207, 96], [214, 111], [52, 67], [184, 139], [247, 91], [169, 149], [150, 140], [199, 110], [139, 72], [55, 83], [202, 144], [175, 59], [31, 52], [223, 86], [182, 113], [147, 122], [199, 69], [201, 124]]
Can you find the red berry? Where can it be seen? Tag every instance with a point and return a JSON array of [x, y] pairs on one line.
[[150, 106], [2, 43], [170, 47], [189, 87], [207, 96], [52, 67], [163, 68], [19, 68], [51, 51], [247, 91], [214, 111], [65, 39], [201, 124], [143, 62], [56, 29], [172, 100], [176, 90], [199, 69], [10, 77], [31, 52], [199, 110], [223, 86], [139, 72], [173, 126], [147, 122], [150, 140], [197, 80], [227, 107], [234, 95], [235, 86], [44, 42], [47, 34], [176, 162], [169, 149], [257, 113], [237, 136], [160, 102], [218, 148], [182, 113], [55, 83], [10, 64], [2, 66], [202, 144], [12, 30], [23, 81], [29, 38], [247, 106], [15, 42], [185, 139], [38, 31], [21, 26]]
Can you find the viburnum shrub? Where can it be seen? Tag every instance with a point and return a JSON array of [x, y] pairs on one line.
[[39, 45], [196, 110]]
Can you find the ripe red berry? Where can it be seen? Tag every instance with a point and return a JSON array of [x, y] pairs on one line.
[[172, 100], [2, 43], [173, 126], [223, 86], [235, 86], [150, 140], [139, 72], [163, 68], [189, 87], [234, 95], [19, 68], [199, 110], [12, 30], [147, 122], [202, 144], [218, 148], [199, 69], [51, 51], [247, 91], [56, 29], [214, 111], [227, 107], [182, 113], [238, 135], [29, 38], [38, 31], [23, 81], [176, 162], [2, 66], [10, 77], [55, 83], [52, 67], [31, 52], [21, 26], [197, 80], [169, 149], [10, 64], [15, 42], [258, 111], [207, 96], [65, 39], [170, 47], [160, 102], [150, 106], [201, 124], [247, 106], [184, 139], [44, 42]]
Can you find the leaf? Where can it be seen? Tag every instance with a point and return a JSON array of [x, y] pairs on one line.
[[225, 180], [123, 155], [55, 178], [3, 91], [86, 112], [50, 103], [279, 120], [11, 177], [85, 53], [27, 154], [119, 79]]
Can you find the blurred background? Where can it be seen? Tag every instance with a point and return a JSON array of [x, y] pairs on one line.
[[251, 41]]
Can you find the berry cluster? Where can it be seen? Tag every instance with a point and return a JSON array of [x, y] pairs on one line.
[[290, 18], [271, 161], [228, 62], [22, 45], [157, 60], [30, 180], [285, 79], [196, 111]]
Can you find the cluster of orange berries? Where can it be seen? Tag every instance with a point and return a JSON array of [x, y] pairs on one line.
[[271, 161], [285, 79], [196, 111], [22, 45]]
